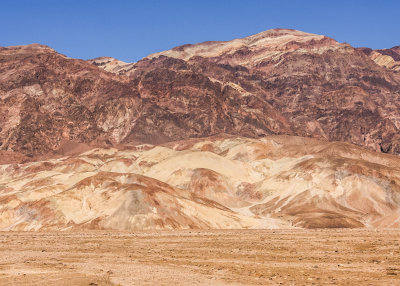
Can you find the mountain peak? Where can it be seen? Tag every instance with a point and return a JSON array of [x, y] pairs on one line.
[[277, 32], [250, 50], [30, 47]]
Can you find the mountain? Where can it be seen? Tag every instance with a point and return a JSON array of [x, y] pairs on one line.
[[276, 82], [281, 129], [216, 182], [319, 87], [47, 99]]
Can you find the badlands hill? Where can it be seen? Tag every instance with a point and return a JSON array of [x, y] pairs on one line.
[[217, 182], [277, 82]]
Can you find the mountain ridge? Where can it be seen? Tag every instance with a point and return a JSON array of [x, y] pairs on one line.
[[282, 82]]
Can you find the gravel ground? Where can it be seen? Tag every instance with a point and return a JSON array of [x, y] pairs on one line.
[[241, 257]]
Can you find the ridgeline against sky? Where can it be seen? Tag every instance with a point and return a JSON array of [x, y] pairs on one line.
[[131, 30]]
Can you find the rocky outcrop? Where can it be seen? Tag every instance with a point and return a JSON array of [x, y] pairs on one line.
[[388, 58], [112, 65]]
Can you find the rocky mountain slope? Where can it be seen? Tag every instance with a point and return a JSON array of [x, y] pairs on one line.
[[216, 182], [276, 82], [47, 99]]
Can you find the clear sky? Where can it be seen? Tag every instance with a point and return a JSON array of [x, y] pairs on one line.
[[130, 30]]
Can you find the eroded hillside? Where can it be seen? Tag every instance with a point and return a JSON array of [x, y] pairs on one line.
[[216, 182]]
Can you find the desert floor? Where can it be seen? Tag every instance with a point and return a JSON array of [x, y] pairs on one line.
[[239, 257]]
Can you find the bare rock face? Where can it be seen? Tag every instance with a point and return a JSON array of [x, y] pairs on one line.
[[276, 82], [112, 65], [47, 99]]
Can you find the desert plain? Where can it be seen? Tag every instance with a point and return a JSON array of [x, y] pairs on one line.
[[206, 257]]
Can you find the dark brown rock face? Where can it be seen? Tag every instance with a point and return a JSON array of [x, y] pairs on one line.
[[47, 99], [275, 82]]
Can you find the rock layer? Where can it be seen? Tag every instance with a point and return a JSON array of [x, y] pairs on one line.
[[388, 58]]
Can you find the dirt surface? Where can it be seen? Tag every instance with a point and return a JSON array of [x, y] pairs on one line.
[[242, 257]]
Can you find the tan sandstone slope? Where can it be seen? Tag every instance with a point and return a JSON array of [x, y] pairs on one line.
[[216, 182]]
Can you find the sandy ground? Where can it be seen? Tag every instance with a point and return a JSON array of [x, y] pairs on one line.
[[242, 257]]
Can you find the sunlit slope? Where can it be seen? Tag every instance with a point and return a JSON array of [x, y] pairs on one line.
[[216, 182]]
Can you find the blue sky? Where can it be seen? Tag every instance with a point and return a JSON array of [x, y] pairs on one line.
[[130, 30]]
